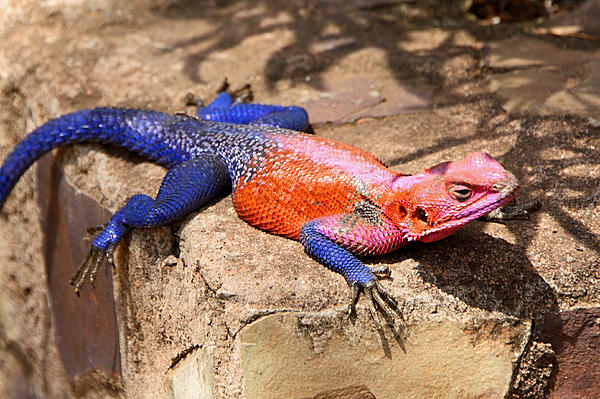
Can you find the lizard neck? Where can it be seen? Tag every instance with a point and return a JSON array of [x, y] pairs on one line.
[[402, 206]]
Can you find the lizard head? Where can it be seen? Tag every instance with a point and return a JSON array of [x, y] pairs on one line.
[[434, 204]]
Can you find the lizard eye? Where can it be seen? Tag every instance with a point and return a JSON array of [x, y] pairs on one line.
[[460, 192]]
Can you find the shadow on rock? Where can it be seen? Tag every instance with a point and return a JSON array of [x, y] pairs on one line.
[[485, 272], [323, 33]]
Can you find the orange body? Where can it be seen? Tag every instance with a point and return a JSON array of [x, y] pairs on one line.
[[308, 177]]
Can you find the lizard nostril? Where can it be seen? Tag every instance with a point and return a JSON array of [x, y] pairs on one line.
[[508, 184]]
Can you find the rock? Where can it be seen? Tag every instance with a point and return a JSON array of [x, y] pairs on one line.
[[85, 325], [583, 20], [441, 359], [192, 377], [536, 76], [575, 336]]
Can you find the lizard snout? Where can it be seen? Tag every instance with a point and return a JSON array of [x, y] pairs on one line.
[[507, 185]]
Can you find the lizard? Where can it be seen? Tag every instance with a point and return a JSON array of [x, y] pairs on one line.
[[340, 202]]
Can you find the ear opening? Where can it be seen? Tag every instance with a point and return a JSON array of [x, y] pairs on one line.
[[398, 213]]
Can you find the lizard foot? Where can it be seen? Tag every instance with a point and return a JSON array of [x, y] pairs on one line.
[[242, 95], [193, 100], [90, 266], [508, 212], [380, 301]]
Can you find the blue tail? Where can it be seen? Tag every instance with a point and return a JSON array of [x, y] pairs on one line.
[[157, 136]]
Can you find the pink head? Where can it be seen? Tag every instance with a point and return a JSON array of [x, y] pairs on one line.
[[434, 204]]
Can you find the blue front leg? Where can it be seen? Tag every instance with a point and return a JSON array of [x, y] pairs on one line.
[[224, 109], [357, 274], [334, 257], [185, 188]]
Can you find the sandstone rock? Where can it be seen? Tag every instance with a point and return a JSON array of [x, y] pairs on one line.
[[537, 76], [440, 359], [192, 377]]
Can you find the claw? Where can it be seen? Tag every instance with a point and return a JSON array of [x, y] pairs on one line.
[[96, 265], [193, 100], [355, 293], [110, 252], [386, 310], [389, 296], [75, 276], [379, 301], [371, 305], [224, 86], [383, 271], [239, 96], [242, 95], [90, 266]]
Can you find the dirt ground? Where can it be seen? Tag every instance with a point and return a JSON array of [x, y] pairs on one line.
[[493, 311]]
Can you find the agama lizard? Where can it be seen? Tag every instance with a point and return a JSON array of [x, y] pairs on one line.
[[340, 202]]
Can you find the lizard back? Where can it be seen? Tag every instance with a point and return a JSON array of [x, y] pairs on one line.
[[302, 177]]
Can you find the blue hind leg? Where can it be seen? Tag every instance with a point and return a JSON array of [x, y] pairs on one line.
[[231, 108], [185, 188]]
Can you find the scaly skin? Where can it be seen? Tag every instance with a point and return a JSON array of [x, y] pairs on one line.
[[338, 201]]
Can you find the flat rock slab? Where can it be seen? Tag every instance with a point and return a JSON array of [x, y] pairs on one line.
[[279, 359], [585, 19], [536, 76], [525, 52], [352, 99], [192, 377]]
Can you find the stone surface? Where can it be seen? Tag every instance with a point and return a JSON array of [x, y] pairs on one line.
[[192, 377], [575, 336], [584, 20], [280, 360], [363, 98], [404, 82], [352, 392], [538, 76]]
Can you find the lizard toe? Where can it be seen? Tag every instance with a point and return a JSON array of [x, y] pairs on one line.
[[380, 303], [381, 271], [243, 95], [90, 266], [355, 293]]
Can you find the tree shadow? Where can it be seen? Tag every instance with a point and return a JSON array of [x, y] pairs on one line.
[[530, 155], [484, 272], [323, 33], [345, 26]]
